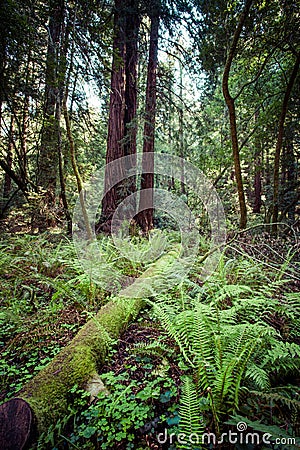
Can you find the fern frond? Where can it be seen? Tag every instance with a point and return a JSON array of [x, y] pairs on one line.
[[283, 357], [177, 333], [258, 376], [155, 348], [277, 397], [191, 420]]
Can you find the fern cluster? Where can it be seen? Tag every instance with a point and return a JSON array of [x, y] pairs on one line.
[[225, 332]]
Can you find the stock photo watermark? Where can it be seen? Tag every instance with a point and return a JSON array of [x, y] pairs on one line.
[[103, 272], [241, 436]]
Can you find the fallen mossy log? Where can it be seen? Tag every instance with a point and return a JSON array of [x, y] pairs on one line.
[[45, 398]]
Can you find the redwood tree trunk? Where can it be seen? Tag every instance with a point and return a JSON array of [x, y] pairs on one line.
[[122, 126], [131, 65], [145, 217], [115, 144], [131, 97]]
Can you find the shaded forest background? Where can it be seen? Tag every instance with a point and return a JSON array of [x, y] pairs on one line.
[[83, 83]]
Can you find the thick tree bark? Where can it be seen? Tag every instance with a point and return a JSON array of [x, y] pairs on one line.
[[278, 147], [131, 64], [232, 115], [115, 138], [48, 155], [131, 97], [145, 216], [122, 125], [47, 395]]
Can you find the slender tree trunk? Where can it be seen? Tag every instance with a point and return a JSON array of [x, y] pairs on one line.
[[61, 171], [24, 122], [89, 232], [257, 187], [7, 178], [145, 217], [232, 115], [3, 43], [72, 149], [181, 132], [291, 178], [278, 147], [63, 85], [257, 175], [169, 122]]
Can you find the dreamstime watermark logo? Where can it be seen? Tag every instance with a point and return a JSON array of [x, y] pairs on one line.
[[103, 270], [241, 436]]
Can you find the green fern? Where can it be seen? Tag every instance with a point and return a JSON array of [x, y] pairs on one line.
[[155, 348], [280, 397], [191, 420], [224, 355]]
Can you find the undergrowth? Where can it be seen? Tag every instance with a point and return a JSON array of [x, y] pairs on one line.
[[235, 335], [239, 336]]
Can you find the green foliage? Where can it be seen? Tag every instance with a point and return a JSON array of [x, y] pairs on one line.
[[36, 319], [191, 421], [121, 415], [236, 334], [226, 338]]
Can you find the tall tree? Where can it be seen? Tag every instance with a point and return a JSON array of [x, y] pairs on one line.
[[48, 154], [20, 61], [121, 140], [232, 114], [115, 143], [279, 141], [145, 217], [131, 64]]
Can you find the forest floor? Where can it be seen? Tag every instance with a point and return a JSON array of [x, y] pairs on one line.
[[45, 298]]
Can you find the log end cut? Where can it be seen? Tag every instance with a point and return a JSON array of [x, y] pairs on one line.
[[16, 425]]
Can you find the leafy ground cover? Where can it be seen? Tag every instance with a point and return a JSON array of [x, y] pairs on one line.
[[201, 358]]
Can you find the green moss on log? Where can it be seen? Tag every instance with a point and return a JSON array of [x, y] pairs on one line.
[[48, 393]]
